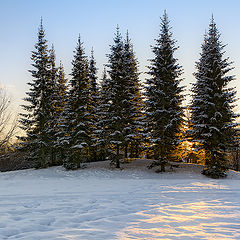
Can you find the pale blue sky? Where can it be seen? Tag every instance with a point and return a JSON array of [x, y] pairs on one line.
[[96, 21]]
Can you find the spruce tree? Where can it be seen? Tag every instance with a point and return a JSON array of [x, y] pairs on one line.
[[94, 92], [133, 128], [64, 134], [52, 118], [164, 97], [212, 105], [78, 110], [93, 77], [34, 120], [60, 104], [122, 99], [117, 92], [101, 131]]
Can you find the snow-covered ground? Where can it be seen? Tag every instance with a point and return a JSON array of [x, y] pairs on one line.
[[133, 203]]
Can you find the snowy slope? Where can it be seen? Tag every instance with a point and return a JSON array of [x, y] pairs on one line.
[[99, 203]]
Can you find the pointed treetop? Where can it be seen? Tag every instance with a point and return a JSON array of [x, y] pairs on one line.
[[213, 31], [127, 37], [165, 17], [41, 23], [92, 53], [165, 14], [212, 19], [61, 69], [128, 44], [165, 22], [212, 22], [118, 35], [92, 67], [79, 48], [79, 39], [41, 32]]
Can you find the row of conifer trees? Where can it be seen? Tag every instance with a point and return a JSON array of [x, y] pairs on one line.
[[83, 119]]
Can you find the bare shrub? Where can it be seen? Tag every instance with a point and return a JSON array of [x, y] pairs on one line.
[[8, 122]]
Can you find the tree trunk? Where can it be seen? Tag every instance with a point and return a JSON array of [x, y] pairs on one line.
[[78, 160], [237, 162], [136, 150], [118, 158], [43, 160], [131, 155], [53, 156], [126, 151], [62, 154], [162, 167]]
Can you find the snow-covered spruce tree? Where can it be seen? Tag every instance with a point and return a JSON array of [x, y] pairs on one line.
[[101, 131], [37, 111], [79, 108], [122, 98], [212, 105], [64, 134], [52, 118], [93, 77], [94, 92], [164, 97], [117, 92], [134, 126], [60, 103]]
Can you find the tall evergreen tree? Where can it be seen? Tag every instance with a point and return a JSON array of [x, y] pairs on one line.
[[52, 118], [34, 120], [60, 105], [133, 128], [122, 98], [94, 92], [102, 118], [93, 77], [117, 93], [79, 108], [164, 97], [212, 104], [60, 91]]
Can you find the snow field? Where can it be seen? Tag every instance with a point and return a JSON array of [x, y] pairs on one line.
[[99, 203]]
